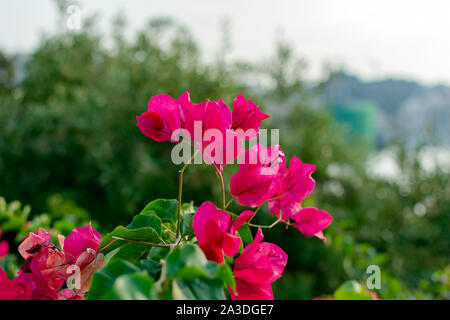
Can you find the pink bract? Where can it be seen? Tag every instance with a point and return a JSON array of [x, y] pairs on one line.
[[297, 184], [256, 268], [4, 247], [69, 294], [34, 242], [40, 289], [312, 221], [259, 175], [13, 290], [162, 119], [208, 126], [80, 240], [216, 233], [247, 117]]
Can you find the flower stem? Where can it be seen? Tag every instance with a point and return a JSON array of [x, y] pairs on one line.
[[138, 241], [229, 202], [256, 211], [266, 227], [180, 192], [223, 190]]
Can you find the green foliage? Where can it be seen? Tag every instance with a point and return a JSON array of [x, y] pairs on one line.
[[63, 216], [140, 252], [351, 290], [121, 280]]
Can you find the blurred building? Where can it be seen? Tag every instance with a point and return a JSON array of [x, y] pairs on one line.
[[360, 118], [405, 110]]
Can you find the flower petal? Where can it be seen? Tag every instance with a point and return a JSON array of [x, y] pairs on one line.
[[80, 240], [311, 221], [246, 291]]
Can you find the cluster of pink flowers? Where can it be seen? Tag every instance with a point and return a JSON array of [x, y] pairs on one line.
[[263, 176], [167, 119], [259, 264], [47, 267]]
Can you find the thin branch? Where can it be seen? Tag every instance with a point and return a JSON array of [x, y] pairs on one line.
[[229, 202], [142, 242], [180, 191], [223, 189], [266, 227], [168, 230]]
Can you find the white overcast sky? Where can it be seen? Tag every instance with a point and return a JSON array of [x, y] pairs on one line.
[[375, 39]]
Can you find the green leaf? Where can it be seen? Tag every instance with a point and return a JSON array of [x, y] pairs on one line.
[[144, 227], [244, 231], [188, 207], [136, 286], [167, 210], [132, 251], [143, 220], [158, 253], [189, 262], [351, 290], [225, 274], [152, 267], [188, 210], [103, 280], [197, 289], [186, 224]]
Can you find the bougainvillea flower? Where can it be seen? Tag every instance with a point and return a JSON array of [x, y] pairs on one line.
[[296, 185], [260, 264], [41, 290], [248, 291], [208, 115], [259, 176], [162, 120], [247, 117], [34, 242], [69, 294], [49, 265], [88, 269], [4, 247], [46, 267], [80, 240], [221, 149], [208, 126], [13, 290], [312, 221], [216, 233], [185, 104]]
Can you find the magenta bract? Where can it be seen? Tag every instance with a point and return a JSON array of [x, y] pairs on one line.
[[161, 120], [247, 117], [80, 240], [295, 186], [4, 247], [47, 267], [216, 232], [260, 264], [259, 175], [311, 222]]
